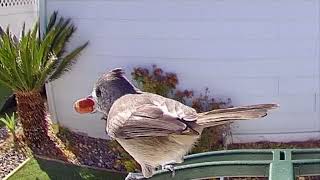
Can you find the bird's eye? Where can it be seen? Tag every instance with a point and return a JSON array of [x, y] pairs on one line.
[[98, 92]]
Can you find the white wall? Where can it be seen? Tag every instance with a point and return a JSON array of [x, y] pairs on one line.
[[15, 12], [251, 51]]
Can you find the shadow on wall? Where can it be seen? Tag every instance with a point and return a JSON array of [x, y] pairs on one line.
[[6, 99]]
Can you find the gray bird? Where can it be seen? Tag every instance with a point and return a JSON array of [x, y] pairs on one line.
[[154, 130]]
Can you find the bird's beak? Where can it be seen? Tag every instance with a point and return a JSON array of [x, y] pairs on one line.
[[85, 105]]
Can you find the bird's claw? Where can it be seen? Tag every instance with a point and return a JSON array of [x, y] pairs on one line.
[[170, 167], [135, 176]]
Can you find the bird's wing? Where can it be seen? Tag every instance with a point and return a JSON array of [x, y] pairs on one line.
[[150, 120]]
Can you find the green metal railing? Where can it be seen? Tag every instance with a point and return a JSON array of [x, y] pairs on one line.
[[277, 164]]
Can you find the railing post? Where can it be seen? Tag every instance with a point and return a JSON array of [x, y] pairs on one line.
[[281, 167], [276, 164]]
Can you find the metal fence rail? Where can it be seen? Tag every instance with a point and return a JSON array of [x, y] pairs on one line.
[[277, 164]]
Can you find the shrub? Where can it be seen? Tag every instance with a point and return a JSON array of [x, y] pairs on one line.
[[28, 63], [165, 84], [10, 123]]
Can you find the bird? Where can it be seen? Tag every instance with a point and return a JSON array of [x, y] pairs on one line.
[[156, 131]]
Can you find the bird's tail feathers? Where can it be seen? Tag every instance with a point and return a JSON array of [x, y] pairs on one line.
[[222, 116]]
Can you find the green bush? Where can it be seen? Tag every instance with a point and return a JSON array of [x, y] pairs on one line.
[[165, 84], [10, 123]]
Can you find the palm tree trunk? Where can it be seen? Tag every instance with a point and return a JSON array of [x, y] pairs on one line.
[[32, 113]]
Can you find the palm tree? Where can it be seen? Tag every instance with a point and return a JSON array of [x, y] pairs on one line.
[[28, 63]]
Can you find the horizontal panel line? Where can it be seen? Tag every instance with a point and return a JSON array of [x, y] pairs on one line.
[[248, 59], [143, 1], [185, 3], [270, 133], [259, 20], [187, 38], [189, 3]]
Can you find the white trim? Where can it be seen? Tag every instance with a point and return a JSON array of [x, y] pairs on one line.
[[317, 99], [16, 169], [42, 15], [51, 104]]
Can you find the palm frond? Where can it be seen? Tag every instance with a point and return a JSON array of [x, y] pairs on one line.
[[26, 64], [7, 82], [47, 71], [10, 123], [23, 30], [67, 62], [52, 21], [44, 50], [66, 31], [10, 58], [1, 31], [26, 59]]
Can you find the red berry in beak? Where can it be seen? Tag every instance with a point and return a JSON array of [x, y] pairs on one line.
[[85, 105]]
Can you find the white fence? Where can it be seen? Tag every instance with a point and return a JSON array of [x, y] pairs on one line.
[[251, 51], [14, 13]]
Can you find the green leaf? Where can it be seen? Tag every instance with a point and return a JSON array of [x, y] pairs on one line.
[[52, 21], [67, 62], [62, 38], [10, 58], [47, 71], [10, 123]]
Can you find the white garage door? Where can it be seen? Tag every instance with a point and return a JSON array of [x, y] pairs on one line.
[[251, 51]]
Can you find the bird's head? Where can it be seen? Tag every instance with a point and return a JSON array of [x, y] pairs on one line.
[[108, 88]]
